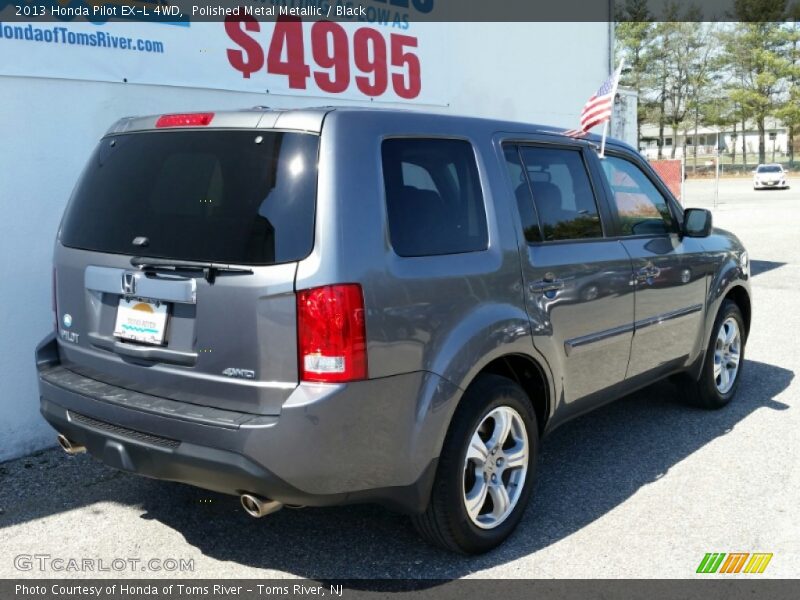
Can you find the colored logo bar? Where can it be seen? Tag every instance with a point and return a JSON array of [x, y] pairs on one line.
[[734, 562]]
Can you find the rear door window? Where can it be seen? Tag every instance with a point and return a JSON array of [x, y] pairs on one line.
[[241, 197], [522, 194], [562, 193], [433, 197]]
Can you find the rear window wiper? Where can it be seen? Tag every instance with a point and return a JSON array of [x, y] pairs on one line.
[[210, 269]]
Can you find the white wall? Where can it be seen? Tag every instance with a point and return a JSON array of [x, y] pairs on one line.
[[536, 72]]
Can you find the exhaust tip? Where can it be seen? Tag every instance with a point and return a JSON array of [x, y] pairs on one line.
[[258, 507], [69, 447]]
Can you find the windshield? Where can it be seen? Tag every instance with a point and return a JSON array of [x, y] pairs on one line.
[[241, 197], [769, 169]]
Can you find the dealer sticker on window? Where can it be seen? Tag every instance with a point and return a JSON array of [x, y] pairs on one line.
[[141, 321]]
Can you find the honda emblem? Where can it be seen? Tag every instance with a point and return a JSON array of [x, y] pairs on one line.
[[128, 284]]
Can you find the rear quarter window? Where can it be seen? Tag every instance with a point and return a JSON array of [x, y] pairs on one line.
[[434, 200]]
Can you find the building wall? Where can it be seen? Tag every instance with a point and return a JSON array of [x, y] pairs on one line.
[[528, 72]]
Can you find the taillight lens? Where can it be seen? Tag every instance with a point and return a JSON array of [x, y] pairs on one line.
[[331, 334], [185, 120]]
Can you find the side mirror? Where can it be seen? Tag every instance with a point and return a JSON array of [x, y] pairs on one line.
[[697, 222]]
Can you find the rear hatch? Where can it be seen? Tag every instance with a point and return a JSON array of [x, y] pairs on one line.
[[176, 262]]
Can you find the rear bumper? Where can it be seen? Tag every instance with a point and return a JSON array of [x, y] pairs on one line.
[[370, 441]]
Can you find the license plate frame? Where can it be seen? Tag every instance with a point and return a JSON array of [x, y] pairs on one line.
[[141, 320]]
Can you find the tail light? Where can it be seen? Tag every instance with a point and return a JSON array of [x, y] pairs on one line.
[[331, 334], [55, 300], [185, 120]]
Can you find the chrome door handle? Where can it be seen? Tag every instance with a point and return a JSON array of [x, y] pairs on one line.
[[546, 285]]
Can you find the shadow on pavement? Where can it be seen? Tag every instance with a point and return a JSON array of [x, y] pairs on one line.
[[757, 267], [588, 467]]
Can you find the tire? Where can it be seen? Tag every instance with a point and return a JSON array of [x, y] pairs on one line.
[[446, 522], [713, 390]]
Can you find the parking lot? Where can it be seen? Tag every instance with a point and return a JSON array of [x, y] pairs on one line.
[[641, 488]]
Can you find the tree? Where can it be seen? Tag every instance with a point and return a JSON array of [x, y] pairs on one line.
[[757, 61], [647, 48], [677, 49], [754, 11], [719, 111], [661, 74], [702, 60], [688, 73], [633, 32], [789, 110]]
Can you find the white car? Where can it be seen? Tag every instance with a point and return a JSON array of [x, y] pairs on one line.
[[769, 176]]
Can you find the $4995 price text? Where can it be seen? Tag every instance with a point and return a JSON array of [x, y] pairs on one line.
[[377, 63]]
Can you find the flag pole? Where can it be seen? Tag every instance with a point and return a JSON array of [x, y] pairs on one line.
[[613, 97]]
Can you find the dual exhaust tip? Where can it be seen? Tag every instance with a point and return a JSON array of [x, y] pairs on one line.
[[70, 447], [253, 505]]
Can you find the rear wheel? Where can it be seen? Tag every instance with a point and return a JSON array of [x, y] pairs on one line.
[[722, 368], [485, 471]]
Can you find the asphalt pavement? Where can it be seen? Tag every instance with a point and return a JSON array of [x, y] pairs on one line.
[[643, 487]]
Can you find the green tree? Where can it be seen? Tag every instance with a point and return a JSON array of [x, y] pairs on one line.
[[688, 73], [702, 62], [633, 32], [720, 112], [789, 110], [756, 53], [753, 11], [675, 48], [676, 64]]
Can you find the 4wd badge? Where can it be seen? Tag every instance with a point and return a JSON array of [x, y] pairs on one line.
[[239, 373]]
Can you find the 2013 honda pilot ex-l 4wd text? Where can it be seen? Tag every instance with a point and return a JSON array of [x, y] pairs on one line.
[[327, 306]]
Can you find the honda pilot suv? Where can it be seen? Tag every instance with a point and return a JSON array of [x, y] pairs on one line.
[[332, 306]]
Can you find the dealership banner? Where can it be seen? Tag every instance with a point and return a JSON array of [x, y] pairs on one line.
[[389, 59], [398, 589], [513, 11]]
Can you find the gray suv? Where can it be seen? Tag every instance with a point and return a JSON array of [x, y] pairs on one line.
[[331, 306]]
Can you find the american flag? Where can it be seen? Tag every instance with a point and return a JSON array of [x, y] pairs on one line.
[[598, 109]]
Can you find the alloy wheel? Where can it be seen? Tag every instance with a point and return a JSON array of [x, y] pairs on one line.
[[727, 354], [495, 467]]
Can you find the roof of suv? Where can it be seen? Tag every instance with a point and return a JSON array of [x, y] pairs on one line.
[[310, 120]]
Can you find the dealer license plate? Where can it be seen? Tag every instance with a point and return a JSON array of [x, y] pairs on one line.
[[141, 321]]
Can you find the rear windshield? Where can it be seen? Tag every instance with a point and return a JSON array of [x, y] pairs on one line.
[[769, 169], [242, 197]]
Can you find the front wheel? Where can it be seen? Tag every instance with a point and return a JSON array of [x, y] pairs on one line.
[[724, 360], [485, 471]]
